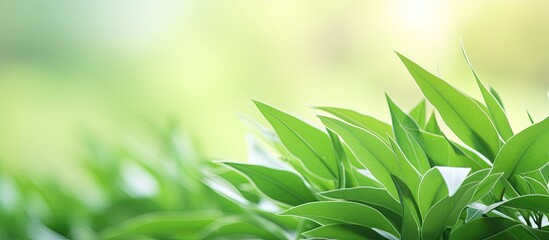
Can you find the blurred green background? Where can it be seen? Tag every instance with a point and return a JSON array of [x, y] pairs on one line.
[[71, 68]]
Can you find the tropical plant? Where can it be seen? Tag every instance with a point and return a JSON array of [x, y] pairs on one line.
[[361, 178]]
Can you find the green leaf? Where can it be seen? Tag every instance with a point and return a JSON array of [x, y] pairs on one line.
[[409, 145], [461, 113], [446, 212], [367, 195], [483, 228], [536, 186], [377, 198], [410, 212], [369, 150], [495, 109], [442, 152], [312, 146], [162, 224], [240, 228], [406, 170], [329, 212], [533, 202], [529, 116], [526, 185], [431, 190], [496, 95], [432, 125], [343, 231], [380, 128], [525, 152], [345, 171], [419, 114], [453, 177], [486, 186], [282, 186], [364, 178], [474, 158]]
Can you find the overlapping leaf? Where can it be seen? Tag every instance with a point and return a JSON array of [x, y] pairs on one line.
[[330, 212], [279, 185], [309, 144], [461, 113]]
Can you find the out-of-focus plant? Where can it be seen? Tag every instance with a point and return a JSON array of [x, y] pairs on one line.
[[157, 188]]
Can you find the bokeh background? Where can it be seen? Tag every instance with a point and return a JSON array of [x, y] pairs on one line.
[[109, 67]]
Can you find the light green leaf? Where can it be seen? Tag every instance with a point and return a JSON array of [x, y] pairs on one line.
[[495, 109], [240, 227], [525, 152], [432, 125], [409, 145], [309, 144], [279, 185], [496, 95], [461, 113], [158, 224], [364, 178], [369, 150], [474, 157], [329, 212], [378, 127], [419, 114]]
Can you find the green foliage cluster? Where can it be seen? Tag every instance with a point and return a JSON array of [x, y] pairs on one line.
[[356, 178], [152, 188]]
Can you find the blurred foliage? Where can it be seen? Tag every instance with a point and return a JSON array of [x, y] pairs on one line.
[[68, 65], [158, 187]]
